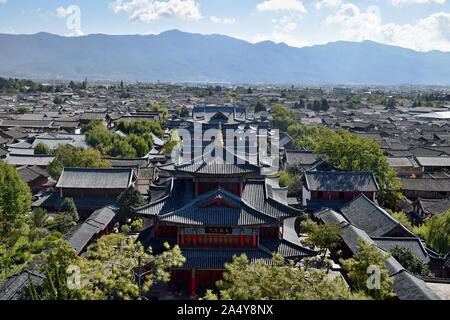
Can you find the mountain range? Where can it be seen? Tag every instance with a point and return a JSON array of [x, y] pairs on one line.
[[175, 56]]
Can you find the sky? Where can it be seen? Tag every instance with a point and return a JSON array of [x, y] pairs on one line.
[[422, 25]]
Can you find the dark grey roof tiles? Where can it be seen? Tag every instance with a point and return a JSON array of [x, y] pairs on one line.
[[87, 178], [409, 287], [95, 224], [368, 216], [199, 258], [414, 244], [287, 249], [434, 206], [433, 185], [341, 181]]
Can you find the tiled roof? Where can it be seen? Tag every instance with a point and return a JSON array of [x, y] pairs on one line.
[[434, 161], [16, 286], [341, 181], [29, 160], [368, 216], [409, 287], [433, 185], [87, 178], [200, 258], [225, 163], [434, 206], [406, 286], [95, 224], [254, 207], [414, 244]]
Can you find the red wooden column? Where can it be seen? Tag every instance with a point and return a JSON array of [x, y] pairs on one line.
[[197, 189], [193, 283]]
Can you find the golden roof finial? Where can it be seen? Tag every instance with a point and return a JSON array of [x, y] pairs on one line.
[[219, 140]]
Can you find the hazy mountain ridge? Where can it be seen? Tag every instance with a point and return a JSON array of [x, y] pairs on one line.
[[184, 57]]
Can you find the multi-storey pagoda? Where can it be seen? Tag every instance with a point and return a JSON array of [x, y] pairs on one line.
[[215, 208]]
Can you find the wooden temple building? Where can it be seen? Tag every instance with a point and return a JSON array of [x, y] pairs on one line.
[[216, 208]]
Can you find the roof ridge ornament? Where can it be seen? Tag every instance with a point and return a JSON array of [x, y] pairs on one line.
[[219, 140]]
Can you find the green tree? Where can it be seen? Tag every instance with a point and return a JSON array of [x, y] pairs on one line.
[[129, 199], [410, 262], [68, 206], [358, 268], [55, 264], [403, 219], [324, 237], [113, 268], [260, 107], [69, 157], [243, 280], [282, 117], [285, 179], [40, 218], [42, 149], [436, 232], [349, 152], [140, 145], [15, 198]]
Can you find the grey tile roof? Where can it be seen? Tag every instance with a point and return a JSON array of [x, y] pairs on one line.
[[406, 286], [409, 287], [32, 173], [255, 207], [401, 162], [87, 178], [225, 163], [95, 224], [434, 161], [368, 216], [301, 157], [433, 185], [200, 258], [414, 244], [287, 249], [29, 160], [14, 287], [341, 181], [236, 213], [434, 206]]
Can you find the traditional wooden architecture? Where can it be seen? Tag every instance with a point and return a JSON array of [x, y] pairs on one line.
[[335, 188], [215, 209], [90, 188]]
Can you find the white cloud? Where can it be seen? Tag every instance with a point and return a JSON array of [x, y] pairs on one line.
[[3, 1], [223, 20], [432, 32], [282, 5], [399, 3], [151, 10], [286, 24], [327, 3], [63, 12]]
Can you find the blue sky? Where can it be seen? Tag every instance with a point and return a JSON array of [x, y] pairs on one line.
[[417, 24]]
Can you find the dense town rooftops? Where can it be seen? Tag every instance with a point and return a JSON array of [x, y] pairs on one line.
[[83, 178]]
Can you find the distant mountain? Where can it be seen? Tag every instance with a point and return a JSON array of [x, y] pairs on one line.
[[176, 56]]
